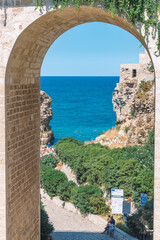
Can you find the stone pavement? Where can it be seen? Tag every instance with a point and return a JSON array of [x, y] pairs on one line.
[[79, 236], [71, 226]]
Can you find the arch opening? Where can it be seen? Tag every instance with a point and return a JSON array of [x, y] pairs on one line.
[[22, 111]]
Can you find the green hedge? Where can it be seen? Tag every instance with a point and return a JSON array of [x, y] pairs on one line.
[[81, 197], [99, 206], [49, 160], [50, 179], [64, 190]]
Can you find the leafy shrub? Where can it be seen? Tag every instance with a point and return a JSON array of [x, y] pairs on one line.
[[49, 160], [99, 206], [150, 142], [67, 149], [146, 86], [124, 228], [132, 112], [150, 67], [64, 190], [62, 148], [118, 127], [119, 175], [46, 226], [87, 161], [127, 128], [50, 179], [81, 197], [141, 220], [142, 182], [69, 140]]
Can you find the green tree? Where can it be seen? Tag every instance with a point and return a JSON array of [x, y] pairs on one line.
[[64, 190], [50, 179], [99, 206], [81, 197], [49, 160], [119, 174], [143, 182]]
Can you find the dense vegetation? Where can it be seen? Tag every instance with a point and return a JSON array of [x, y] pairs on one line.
[[49, 160], [46, 226], [133, 11], [64, 190], [82, 195], [129, 168], [89, 198], [51, 179], [141, 220]]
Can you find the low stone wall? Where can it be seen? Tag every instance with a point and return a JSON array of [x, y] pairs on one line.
[[120, 235], [97, 220]]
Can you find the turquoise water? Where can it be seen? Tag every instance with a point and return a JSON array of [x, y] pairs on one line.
[[82, 106]]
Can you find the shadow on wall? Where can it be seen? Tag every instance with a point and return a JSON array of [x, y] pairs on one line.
[[79, 236]]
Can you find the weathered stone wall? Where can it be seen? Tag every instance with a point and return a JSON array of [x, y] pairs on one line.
[[125, 91], [46, 112], [142, 72], [133, 102], [2, 158], [25, 36]]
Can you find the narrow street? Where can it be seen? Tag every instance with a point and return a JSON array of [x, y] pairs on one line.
[[71, 226]]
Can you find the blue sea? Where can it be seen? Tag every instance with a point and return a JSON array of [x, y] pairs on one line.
[[82, 106]]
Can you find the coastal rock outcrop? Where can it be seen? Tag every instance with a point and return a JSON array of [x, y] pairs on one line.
[[133, 102], [46, 112]]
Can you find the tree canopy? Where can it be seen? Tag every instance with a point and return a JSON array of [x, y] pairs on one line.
[[129, 168]]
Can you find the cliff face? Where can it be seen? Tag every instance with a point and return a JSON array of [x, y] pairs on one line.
[[133, 102], [46, 134]]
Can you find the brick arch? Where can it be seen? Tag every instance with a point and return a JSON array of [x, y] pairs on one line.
[[39, 35], [22, 87]]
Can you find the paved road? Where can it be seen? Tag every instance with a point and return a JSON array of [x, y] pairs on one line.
[[71, 226]]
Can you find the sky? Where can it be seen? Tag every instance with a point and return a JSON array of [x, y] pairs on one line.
[[91, 49]]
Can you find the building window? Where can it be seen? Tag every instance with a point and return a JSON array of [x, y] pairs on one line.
[[134, 73]]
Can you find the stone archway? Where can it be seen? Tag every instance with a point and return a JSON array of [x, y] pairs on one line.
[[29, 38]]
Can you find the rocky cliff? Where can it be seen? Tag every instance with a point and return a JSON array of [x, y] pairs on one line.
[[46, 134], [133, 102]]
